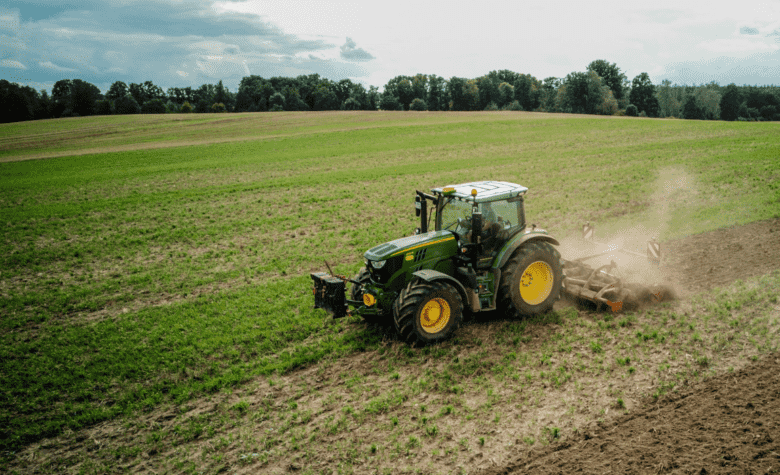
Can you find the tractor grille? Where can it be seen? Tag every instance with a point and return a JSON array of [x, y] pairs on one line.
[[382, 276], [420, 255]]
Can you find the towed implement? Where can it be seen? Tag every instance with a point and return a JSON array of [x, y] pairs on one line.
[[480, 256]]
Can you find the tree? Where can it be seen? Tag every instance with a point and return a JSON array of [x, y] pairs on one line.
[[204, 97], [351, 104], [612, 76], [117, 90], [154, 106], [669, 103], [186, 108], [691, 110], [342, 91], [576, 98], [293, 101], [180, 95], [74, 97], [389, 102], [529, 91], [643, 95], [548, 93], [138, 93], [14, 107], [506, 93], [126, 105], [631, 110], [420, 86], [277, 99], [471, 95], [514, 106], [729, 103], [373, 98], [455, 88], [405, 93], [103, 107], [325, 98], [708, 99], [436, 100], [220, 107], [418, 105]]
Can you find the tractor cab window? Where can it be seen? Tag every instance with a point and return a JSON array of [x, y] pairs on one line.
[[455, 215], [500, 218]]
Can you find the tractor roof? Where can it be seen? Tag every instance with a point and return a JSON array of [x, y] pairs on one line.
[[486, 190]]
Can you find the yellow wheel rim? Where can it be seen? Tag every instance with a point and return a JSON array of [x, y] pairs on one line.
[[536, 283], [435, 315]]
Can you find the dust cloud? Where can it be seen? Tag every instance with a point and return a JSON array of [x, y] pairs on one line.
[[626, 244]]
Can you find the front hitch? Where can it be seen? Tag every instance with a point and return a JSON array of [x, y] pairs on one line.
[[329, 294]]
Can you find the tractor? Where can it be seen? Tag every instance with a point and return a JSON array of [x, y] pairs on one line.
[[480, 256]]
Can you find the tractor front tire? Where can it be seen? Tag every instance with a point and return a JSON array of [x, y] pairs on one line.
[[427, 312], [531, 280], [356, 293]]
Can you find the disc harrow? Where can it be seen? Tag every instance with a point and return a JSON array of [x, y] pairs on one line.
[[605, 285]]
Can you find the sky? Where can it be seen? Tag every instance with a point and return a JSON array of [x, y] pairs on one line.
[[179, 43]]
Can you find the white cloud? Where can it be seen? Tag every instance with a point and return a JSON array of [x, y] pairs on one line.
[[10, 63], [50, 65], [737, 45]]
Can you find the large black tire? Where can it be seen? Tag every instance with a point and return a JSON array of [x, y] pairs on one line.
[[427, 312], [531, 280], [356, 293]]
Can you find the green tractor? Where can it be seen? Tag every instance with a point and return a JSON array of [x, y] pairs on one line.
[[479, 256]]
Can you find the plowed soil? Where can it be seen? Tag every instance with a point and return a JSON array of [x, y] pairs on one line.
[[727, 424]]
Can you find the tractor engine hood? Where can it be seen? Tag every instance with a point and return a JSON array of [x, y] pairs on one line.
[[411, 243]]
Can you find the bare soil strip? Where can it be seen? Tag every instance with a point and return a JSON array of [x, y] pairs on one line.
[[727, 424]]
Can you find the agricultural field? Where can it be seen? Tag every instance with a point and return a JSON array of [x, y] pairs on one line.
[[157, 310]]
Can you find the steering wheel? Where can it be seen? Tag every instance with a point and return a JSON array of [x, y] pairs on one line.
[[461, 222]]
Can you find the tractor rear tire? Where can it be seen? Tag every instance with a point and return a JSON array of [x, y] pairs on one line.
[[356, 293], [531, 280], [427, 312]]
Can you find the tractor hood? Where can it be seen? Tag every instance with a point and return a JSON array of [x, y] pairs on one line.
[[411, 243]]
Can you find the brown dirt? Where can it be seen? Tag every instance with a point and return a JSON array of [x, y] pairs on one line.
[[727, 424], [704, 261]]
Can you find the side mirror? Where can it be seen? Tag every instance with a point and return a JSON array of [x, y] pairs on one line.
[[417, 206], [416, 231]]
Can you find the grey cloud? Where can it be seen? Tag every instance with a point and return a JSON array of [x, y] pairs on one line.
[[350, 52], [169, 42], [746, 30], [758, 69]]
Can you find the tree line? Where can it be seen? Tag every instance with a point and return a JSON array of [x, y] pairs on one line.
[[601, 89]]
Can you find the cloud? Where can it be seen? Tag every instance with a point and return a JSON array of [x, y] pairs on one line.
[[736, 45], [747, 30], [756, 69], [10, 63], [169, 42], [50, 65], [350, 52]]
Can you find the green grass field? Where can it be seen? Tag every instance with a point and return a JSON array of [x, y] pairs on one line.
[[156, 259]]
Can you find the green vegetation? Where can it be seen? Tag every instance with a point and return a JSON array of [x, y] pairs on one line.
[[145, 278]]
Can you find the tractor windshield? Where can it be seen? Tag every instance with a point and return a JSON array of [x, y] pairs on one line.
[[455, 215]]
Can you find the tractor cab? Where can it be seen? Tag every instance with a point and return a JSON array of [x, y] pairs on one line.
[[483, 215]]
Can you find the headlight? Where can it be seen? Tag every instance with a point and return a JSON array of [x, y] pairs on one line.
[[369, 300], [378, 264]]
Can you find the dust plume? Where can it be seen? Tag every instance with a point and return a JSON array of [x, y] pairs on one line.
[[626, 244]]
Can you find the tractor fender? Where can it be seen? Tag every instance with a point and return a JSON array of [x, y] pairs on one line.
[[431, 275], [518, 241]]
